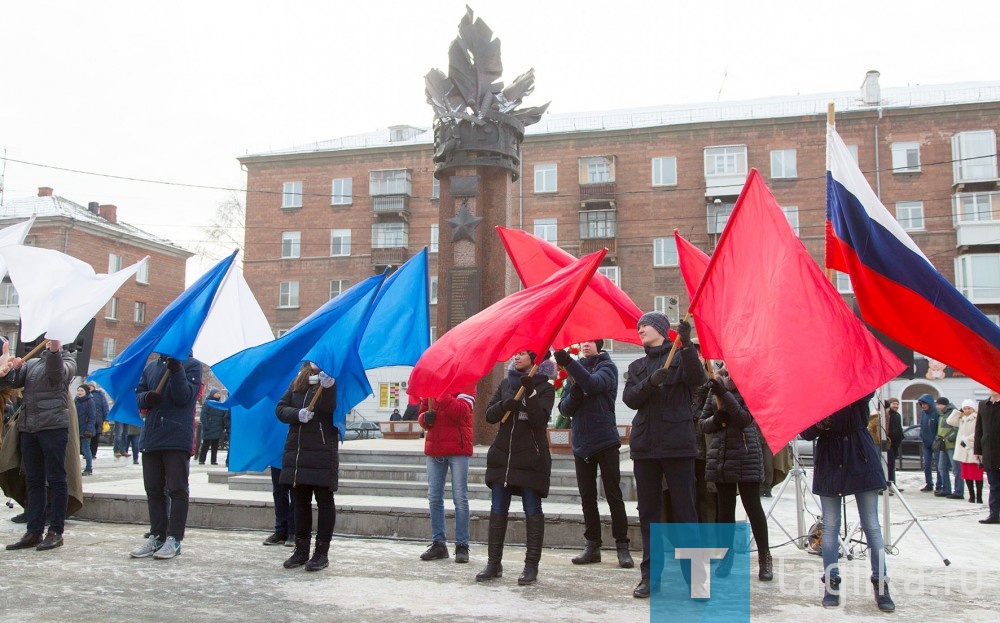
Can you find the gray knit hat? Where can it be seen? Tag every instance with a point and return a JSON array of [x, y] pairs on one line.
[[657, 320]]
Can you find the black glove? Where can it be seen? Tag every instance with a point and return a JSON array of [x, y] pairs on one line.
[[173, 364], [576, 391], [718, 387], [659, 377], [684, 331], [722, 418], [153, 399], [429, 416], [528, 383], [511, 405], [562, 358]]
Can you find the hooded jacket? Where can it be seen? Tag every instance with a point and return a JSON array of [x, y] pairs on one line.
[[451, 434], [311, 455], [213, 419], [170, 424], [589, 399], [846, 461], [928, 420], [86, 415]]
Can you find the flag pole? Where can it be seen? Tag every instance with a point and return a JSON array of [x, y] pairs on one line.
[[34, 351], [312, 403]]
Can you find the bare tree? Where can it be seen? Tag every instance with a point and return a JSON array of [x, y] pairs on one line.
[[227, 230]]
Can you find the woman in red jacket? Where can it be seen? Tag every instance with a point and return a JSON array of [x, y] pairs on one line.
[[448, 444]]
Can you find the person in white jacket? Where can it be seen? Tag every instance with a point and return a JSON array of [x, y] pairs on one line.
[[972, 472]]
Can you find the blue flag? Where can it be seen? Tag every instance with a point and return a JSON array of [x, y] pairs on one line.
[[172, 334], [399, 329]]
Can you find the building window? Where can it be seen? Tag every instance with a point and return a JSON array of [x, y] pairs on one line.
[[670, 305], [140, 313], [665, 171], [994, 318], [906, 157], [291, 195], [792, 214], [342, 193], [340, 242], [432, 292], [390, 235], [726, 160], [391, 395], [337, 287], [843, 283], [114, 263], [143, 275], [391, 182], [435, 238], [718, 216], [10, 294], [435, 188], [111, 309], [546, 229], [545, 178], [910, 215], [783, 164], [665, 251], [978, 277], [598, 224], [609, 345], [291, 244], [288, 294], [109, 349], [974, 156], [612, 273], [434, 334], [974, 207], [853, 150], [280, 332], [597, 170]]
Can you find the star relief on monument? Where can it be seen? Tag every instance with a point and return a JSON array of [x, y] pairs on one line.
[[463, 224]]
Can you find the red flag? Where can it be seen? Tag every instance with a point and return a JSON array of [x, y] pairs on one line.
[[604, 310], [694, 263], [526, 320], [794, 349]]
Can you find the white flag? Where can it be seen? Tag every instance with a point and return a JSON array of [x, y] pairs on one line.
[[235, 322], [58, 294], [13, 235]]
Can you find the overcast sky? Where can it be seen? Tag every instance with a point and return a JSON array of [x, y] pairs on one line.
[[177, 91]]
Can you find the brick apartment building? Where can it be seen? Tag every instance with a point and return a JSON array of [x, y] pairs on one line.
[[94, 235], [323, 216]]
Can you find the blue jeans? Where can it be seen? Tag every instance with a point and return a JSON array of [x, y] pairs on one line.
[[437, 473], [868, 510], [944, 465], [133, 440], [930, 461], [87, 454], [956, 469], [531, 501], [119, 438], [44, 457]]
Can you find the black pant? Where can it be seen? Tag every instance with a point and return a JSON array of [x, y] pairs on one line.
[[165, 474], [44, 457], [649, 474], [890, 457], [302, 496], [94, 442], [205, 444], [707, 509], [284, 508], [608, 460], [750, 494]]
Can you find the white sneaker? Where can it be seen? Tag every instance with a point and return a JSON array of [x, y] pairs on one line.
[[170, 549], [147, 549]]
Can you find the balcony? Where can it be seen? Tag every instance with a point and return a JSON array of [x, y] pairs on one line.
[[390, 256], [391, 204], [591, 245], [978, 233], [601, 191]]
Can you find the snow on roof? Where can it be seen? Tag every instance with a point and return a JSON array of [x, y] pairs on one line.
[[763, 108], [42, 207]]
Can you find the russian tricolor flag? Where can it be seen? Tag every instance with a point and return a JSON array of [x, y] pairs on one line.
[[898, 289]]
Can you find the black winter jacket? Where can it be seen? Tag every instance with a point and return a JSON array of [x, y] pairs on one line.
[[519, 456], [170, 424], [986, 439], [663, 426], [45, 380], [846, 460], [734, 454], [311, 454], [592, 405]]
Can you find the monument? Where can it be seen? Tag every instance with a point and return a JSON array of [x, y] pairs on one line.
[[478, 130]]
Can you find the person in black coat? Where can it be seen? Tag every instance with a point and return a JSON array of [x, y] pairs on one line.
[[663, 436], [310, 464], [735, 462], [986, 447], [101, 407], [213, 424], [518, 462], [86, 416], [894, 424], [846, 463]]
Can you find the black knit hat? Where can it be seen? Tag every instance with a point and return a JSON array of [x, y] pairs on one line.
[[657, 320]]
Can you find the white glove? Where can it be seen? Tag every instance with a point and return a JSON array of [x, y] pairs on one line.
[[305, 415], [325, 380]]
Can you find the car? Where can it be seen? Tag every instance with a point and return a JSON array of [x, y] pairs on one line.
[[362, 430]]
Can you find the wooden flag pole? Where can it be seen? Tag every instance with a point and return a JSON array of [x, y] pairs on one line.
[[312, 403], [520, 392], [34, 351], [674, 343]]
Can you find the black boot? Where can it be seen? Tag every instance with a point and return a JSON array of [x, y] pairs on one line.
[[882, 598], [300, 556], [979, 492], [494, 549], [591, 554], [831, 592], [624, 557], [30, 539], [972, 492], [766, 572], [535, 525], [319, 560]]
